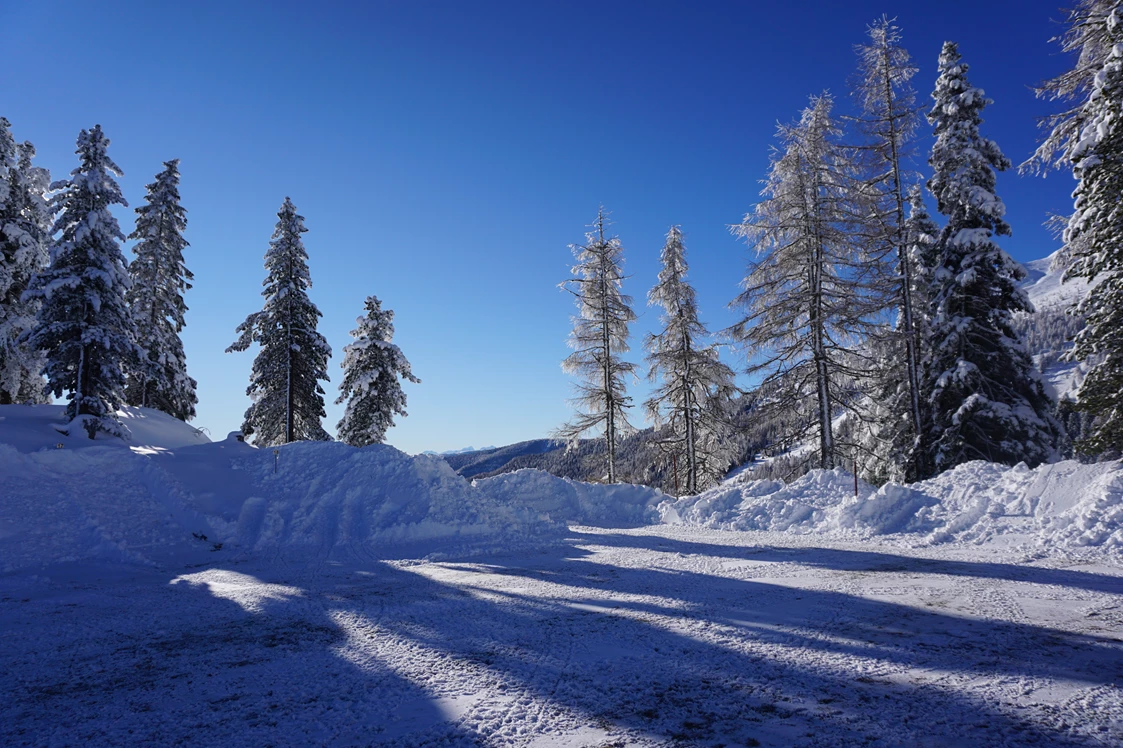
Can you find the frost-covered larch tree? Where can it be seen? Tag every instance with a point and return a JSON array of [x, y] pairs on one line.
[[888, 443], [159, 280], [25, 227], [372, 366], [600, 335], [1092, 40], [888, 120], [986, 398], [807, 297], [689, 405], [84, 326], [288, 400], [1094, 241]]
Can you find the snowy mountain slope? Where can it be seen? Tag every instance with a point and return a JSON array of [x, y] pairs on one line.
[[1048, 331], [1044, 287]]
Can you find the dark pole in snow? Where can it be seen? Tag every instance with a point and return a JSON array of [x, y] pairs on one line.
[[855, 476], [276, 458]]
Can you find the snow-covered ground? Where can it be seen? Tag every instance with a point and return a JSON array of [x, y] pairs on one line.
[[366, 597]]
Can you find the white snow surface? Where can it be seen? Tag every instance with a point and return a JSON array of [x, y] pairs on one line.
[[1044, 287], [1057, 507], [365, 597]]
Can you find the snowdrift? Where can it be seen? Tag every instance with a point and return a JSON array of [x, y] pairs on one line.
[[169, 496], [1063, 505]]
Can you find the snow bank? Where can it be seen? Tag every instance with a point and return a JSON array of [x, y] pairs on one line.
[[168, 501], [569, 501], [30, 428], [1060, 506]]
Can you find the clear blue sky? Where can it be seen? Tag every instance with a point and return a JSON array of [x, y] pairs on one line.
[[445, 154]]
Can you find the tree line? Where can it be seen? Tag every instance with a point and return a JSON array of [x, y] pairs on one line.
[[875, 336], [79, 322]]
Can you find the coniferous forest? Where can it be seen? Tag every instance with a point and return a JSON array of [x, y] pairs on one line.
[[881, 327]]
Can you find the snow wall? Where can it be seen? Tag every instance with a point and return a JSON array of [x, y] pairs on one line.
[[167, 496]]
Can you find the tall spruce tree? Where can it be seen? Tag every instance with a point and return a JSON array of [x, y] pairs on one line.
[[808, 297], [84, 326], [25, 227], [888, 120], [987, 400], [288, 400], [1094, 244], [159, 279], [600, 335], [372, 366], [689, 407]]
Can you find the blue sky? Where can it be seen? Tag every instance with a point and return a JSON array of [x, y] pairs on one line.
[[444, 154]]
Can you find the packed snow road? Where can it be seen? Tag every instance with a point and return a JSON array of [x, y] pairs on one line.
[[664, 635]]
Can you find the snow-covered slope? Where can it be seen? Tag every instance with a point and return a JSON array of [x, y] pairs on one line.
[[1044, 287], [30, 428]]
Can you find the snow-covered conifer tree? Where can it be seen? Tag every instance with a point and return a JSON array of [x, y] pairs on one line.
[[600, 335], [1094, 242], [808, 295], [288, 400], [987, 400], [370, 387], [1091, 38], [888, 121], [159, 279], [689, 405], [25, 227], [84, 326]]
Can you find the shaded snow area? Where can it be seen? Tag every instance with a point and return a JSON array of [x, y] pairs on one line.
[[658, 636], [168, 590], [1054, 508]]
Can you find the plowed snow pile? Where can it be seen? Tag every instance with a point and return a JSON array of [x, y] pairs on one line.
[[1062, 505], [166, 496]]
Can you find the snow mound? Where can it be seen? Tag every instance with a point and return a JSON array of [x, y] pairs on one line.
[[804, 506], [164, 502], [175, 507], [1063, 505], [574, 502], [31, 428]]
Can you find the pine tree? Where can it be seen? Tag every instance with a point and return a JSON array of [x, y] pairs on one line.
[[808, 297], [888, 120], [370, 387], [84, 326], [25, 227], [600, 335], [288, 401], [689, 406], [159, 279], [1094, 246], [987, 401]]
